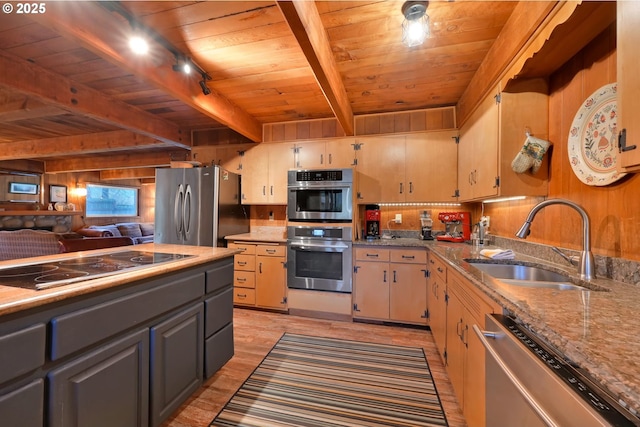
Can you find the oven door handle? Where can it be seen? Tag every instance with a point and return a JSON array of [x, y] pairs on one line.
[[482, 335], [323, 248]]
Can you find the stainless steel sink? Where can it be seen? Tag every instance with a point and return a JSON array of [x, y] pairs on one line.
[[524, 275]]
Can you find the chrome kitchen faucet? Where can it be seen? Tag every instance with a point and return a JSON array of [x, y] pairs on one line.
[[586, 266]]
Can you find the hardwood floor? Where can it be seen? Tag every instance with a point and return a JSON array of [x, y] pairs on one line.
[[256, 332]]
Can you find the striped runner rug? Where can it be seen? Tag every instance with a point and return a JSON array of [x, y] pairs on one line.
[[313, 381]]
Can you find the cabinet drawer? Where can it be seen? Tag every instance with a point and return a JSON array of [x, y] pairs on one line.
[[79, 329], [271, 250], [218, 311], [218, 350], [415, 256], [246, 248], [244, 262], [244, 296], [220, 276], [24, 406], [438, 267], [22, 351], [244, 279], [372, 254]]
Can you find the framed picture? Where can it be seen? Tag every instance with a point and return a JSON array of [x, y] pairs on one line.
[[58, 193], [23, 188]]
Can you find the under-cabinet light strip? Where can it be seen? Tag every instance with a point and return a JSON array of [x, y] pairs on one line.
[[420, 204]]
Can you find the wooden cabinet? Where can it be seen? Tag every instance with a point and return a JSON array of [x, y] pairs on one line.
[[437, 291], [454, 307], [260, 275], [24, 406], [494, 135], [417, 167], [628, 65], [230, 157], [264, 173], [333, 153], [390, 284]]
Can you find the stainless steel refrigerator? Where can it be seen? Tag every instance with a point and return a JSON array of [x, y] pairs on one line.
[[198, 206]]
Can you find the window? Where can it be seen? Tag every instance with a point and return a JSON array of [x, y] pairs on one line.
[[107, 200]]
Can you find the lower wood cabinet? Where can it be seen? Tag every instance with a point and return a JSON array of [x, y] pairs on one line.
[[103, 388], [260, 278], [438, 303], [23, 406], [390, 284]]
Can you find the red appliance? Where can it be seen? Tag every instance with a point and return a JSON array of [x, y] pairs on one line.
[[457, 226], [372, 221]]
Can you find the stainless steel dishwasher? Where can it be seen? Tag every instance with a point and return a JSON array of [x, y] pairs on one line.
[[528, 384]]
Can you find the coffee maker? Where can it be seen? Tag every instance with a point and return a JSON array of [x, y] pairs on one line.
[[457, 226], [426, 225], [372, 222]]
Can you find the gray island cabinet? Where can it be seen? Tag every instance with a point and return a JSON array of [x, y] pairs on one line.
[[125, 355]]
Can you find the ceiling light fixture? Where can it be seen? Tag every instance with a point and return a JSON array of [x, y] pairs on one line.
[[139, 45], [182, 65], [415, 27]]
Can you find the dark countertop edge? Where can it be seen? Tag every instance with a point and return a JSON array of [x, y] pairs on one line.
[[13, 300]]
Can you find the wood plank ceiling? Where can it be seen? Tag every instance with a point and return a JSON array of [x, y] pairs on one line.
[[74, 96]]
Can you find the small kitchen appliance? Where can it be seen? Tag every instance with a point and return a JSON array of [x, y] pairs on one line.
[[372, 222], [426, 225], [457, 226]]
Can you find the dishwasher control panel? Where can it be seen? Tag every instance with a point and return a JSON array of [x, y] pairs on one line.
[[576, 380]]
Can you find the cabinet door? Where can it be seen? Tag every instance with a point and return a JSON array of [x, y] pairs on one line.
[[176, 361], [339, 153], [104, 388], [24, 406], [431, 166], [438, 312], [628, 64], [455, 347], [408, 293], [311, 155], [381, 169], [270, 282], [371, 290], [474, 377], [280, 161], [255, 175]]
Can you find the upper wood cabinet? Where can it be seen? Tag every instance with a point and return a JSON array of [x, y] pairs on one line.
[[333, 153], [230, 157], [494, 135], [264, 173], [628, 63], [417, 167]]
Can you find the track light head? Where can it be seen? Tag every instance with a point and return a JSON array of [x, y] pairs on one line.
[[203, 86]]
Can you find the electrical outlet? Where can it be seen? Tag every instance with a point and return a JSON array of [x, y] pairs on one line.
[[271, 218], [486, 221], [398, 218]]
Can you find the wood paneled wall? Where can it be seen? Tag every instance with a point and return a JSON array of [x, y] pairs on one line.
[[614, 210]]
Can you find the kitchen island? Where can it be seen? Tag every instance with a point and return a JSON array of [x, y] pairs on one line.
[[125, 349], [596, 329]]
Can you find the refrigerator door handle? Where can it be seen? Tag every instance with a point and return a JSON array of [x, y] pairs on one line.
[[186, 212], [178, 210]]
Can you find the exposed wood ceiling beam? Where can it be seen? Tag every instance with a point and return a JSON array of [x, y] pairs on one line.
[[78, 144], [133, 173], [51, 88], [305, 23], [101, 32], [26, 109], [118, 161]]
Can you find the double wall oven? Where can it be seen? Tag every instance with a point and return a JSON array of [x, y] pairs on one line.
[[319, 235]]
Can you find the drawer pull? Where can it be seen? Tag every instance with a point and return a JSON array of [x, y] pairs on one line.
[[440, 270], [408, 257], [372, 255], [242, 263], [241, 279], [241, 295], [271, 251]]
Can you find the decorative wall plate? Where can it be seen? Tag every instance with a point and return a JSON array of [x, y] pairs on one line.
[[593, 145]]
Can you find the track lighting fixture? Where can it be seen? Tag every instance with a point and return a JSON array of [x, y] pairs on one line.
[[203, 84], [138, 44], [182, 65]]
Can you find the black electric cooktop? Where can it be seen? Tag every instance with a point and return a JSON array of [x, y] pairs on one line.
[[62, 272]]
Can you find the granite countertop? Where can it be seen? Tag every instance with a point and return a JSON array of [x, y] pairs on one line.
[[13, 299], [597, 329], [263, 234]]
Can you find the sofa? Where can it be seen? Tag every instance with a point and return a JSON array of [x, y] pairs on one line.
[[27, 243], [139, 232]]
